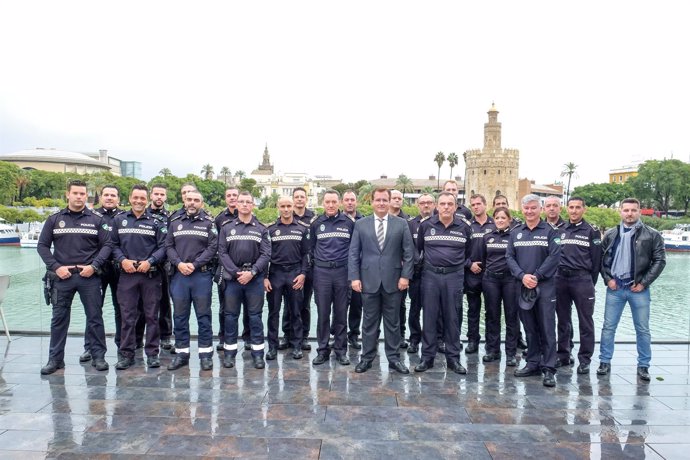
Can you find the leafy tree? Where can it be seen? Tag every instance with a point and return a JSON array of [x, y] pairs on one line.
[[47, 184], [359, 184], [659, 182], [682, 200], [240, 175], [440, 158], [403, 183], [250, 186], [604, 194], [452, 162], [165, 172], [341, 188], [9, 174], [207, 171], [225, 174], [365, 193], [270, 201], [568, 170]]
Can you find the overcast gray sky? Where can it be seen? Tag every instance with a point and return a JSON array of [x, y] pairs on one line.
[[351, 89]]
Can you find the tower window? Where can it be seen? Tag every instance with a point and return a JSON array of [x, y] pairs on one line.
[[499, 172], [485, 172]]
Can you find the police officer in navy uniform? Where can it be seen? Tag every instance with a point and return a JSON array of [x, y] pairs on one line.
[[578, 270], [286, 274], [532, 256], [109, 200], [81, 246], [451, 186], [156, 207], [191, 245], [499, 287], [443, 242], [426, 205], [552, 211], [139, 250], [306, 216], [244, 250], [226, 215], [354, 310], [395, 209], [330, 238], [481, 224]]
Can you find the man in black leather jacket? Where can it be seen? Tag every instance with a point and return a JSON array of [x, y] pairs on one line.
[[633, 257]]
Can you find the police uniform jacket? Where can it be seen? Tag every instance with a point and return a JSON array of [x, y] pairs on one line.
[[109, 215], [443, 246], [581, 248], [330, 237], [494, 248], [308, 217], [240, 243], [161, 214], [78, 238], [191, 239], [290, 244], [477, 237], [534, 252], [224, 217], [140, 238], [559, 223], [414, 224]]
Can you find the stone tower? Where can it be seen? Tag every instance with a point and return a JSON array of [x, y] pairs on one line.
[[492, 170]]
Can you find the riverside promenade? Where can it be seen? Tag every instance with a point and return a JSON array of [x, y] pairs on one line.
[[293, 410]]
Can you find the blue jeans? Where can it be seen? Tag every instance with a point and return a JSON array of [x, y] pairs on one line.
[[639, 306]]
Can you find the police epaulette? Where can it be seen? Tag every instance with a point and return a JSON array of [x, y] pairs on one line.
[[97, 213], [594, 227], [303, 223], [409, 218], [464, 219], [350, 217], [423, 219], [177, 216], [314, 217]]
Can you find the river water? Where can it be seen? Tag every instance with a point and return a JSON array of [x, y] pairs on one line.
[[26, 310]]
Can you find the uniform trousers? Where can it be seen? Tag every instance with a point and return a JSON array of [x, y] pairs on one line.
[[165, 323], [580, 290], [331, 291], [540, 327], [473, 291], [441, 293], [109, 277], [281, 290], [305, 310], [89, 290], [251, 296], [415, 292], [193, 289], [497, 291], [134, 289], [354, 315]]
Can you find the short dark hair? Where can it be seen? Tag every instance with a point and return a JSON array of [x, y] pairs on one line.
[[499, 196], [331, 191], [159, 185], [350, 191], [631, 201], [75, 183], [478, 195], [188, 183], [381, 190], [298, 189], [446, 194], [114, 187], [502, 209], [245, 193], [140, 187], [232, 187], [577, 198]]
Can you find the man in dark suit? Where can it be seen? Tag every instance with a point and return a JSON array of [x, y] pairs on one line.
[[380, 266]]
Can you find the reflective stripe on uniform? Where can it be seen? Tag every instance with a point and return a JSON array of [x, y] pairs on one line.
[[531, 243], [138, 231], [205, 350], [243, 238], [230, 346], [459, 239], [287, 237], [576, 242], [497, 245], [191, 233], [322, 236], [258, 347], [182, 350], [85, 231]]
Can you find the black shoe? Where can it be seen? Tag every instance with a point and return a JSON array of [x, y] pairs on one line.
[[153, 361], [424, 366], [521, 343], [604, 369], [320, 359], [229, 359], [343, 360], [413, 348], [123, 363], [363, 366], [399, 367], [85, 357], [404, 344], [258, 362], [306, 346], [527, 372], [272, 354], [283, 344], [220, 346], [178, 362], [100, 364], [206, 364], [456, 367], [560, 363], [166, 344], [512, 362], [549, 379], [643, 373], [297, 354], [491, 357], [442, 347], [472, 347], [140, 345], [583, 369], [352, 341], [173, 351], [52, 366]]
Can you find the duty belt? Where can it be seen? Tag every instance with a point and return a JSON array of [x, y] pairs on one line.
[[443, 270], [497, 275], [565, 273], [285, 267], [336, 264]]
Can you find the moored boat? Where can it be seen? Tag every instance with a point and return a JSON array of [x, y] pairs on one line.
[[8, 235], [678, 239]]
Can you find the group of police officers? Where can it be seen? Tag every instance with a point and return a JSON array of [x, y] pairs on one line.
[[532, 270]]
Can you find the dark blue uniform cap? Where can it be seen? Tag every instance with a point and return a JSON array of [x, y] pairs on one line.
[[528, 297]]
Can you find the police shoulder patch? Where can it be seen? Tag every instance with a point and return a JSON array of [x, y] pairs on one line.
[[213, 230], [164, 229], [105, 227]]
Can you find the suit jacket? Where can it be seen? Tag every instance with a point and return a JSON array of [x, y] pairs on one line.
[[375, 267]]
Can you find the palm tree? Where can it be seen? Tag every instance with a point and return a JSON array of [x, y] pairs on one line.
[[570, 172], [207, 171], [404, 184], [439, 159], [23, 179], [365, 192], [452, 162], [240, 175], [225, 173], [165, 172]]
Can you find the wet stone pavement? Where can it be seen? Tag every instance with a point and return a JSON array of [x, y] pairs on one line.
[[294, 410]]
